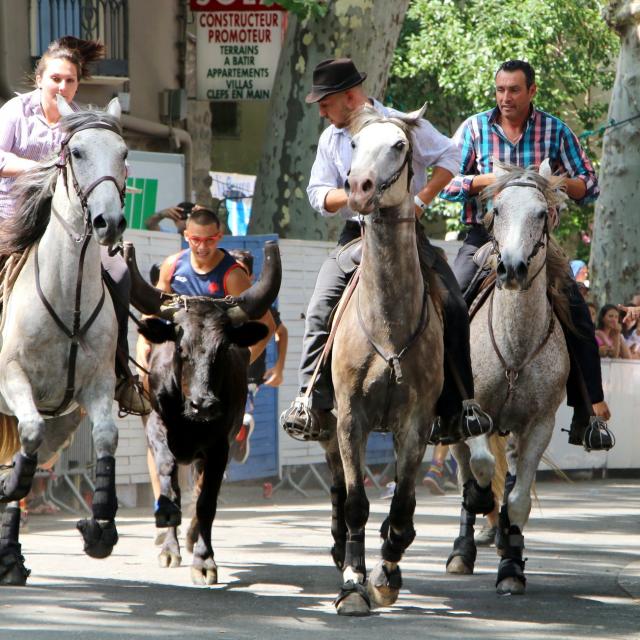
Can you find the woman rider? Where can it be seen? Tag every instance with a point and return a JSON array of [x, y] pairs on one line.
[[29, 133]]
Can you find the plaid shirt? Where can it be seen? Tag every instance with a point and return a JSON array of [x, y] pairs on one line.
[[482, 139]]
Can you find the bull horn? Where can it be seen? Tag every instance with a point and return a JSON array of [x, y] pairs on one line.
[[256, 301], [144, 297]]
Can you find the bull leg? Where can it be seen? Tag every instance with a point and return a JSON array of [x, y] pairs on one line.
[[167, 509], [531, 445], [204, 569], [99, 532], [338, 499], [397, 530], [16, 484], [353, 599], [12, 569]]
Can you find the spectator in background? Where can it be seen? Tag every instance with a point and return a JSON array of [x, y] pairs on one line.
[[172, 219], [258, 373], [609, 337]]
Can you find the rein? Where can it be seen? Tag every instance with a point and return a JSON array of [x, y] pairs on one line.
[[77, 332]]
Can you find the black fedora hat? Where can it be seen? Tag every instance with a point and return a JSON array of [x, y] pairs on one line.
[[333, 75]]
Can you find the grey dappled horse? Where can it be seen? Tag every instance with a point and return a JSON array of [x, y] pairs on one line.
[[520, 365], [387, 362], [59, 327]]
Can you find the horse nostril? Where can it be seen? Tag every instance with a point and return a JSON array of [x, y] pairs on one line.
[[122, 225], [99, 222], [367, 185], [501, 270], [521, 271]]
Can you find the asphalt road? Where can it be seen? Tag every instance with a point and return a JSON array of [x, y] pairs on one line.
[[277, 579]]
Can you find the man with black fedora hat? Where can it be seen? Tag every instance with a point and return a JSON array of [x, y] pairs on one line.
[[337, 89]]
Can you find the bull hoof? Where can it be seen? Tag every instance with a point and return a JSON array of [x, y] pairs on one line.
[[353, 600], [510, 587], [458, 566], [169, 560], [204, 572], [167, 513], [99, 537], [13, 573], [384, 585]]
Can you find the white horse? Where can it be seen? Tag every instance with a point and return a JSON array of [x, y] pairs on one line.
[[58, 327], [520, 363]]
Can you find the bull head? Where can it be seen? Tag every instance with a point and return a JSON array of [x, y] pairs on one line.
[[204, 329]]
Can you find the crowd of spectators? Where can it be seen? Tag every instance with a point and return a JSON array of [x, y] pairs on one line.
[[617, 333]]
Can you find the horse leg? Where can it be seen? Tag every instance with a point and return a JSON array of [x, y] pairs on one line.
[[16, 484], [353, 599], [338, 499], [99, 533], [397, 530], [526, 455], [12, 570], [474, 461], [204, 569]]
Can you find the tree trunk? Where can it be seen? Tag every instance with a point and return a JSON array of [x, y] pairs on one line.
[[364, 30], [615, 257]]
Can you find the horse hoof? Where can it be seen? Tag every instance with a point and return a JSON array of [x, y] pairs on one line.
[[99, 538], [168, 560], [167, 513], [384, 585], [458, 566], [353, 600], [13, 573], [510, 587], [353, 605]]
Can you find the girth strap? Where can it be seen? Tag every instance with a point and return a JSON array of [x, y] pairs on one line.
[[76, 333]]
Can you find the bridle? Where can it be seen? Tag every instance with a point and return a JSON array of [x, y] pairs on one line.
[[541, 242], [77, 332], [65, 162]]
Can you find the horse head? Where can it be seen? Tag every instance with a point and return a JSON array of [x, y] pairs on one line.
[[525, 202], [381, 169], [93, 164]]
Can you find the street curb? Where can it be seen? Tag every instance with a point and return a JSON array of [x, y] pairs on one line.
[[629, 579]]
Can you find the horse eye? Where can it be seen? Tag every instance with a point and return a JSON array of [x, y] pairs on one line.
[[76, 153], [353, 144], [399, 145], [541, 214]]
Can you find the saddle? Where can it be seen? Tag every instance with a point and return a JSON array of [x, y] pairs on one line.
[[349, 256]]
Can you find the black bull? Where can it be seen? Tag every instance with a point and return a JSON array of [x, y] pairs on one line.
[[198, 387]]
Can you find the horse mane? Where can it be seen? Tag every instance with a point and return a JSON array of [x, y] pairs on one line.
[[33, 189], [367, 115], [558, 276]]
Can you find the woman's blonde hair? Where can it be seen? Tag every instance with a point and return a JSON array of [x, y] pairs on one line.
[[79, 52]]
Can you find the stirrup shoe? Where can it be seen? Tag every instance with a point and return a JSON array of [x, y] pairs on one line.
[[472, 421], [590, 432], [302, 422], [131, 397]]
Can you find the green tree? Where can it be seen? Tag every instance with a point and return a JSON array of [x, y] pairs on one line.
[[449, 50]]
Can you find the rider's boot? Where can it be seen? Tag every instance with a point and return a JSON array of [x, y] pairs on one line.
[[590, 432], [471, 421]]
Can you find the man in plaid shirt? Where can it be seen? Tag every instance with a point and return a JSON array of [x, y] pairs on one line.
[[515, 132]]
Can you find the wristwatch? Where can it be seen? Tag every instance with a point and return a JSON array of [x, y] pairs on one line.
[[423, 206]]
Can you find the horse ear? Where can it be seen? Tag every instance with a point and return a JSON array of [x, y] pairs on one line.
[[545, 169], [64, 109], [114, 109], [416, 115]]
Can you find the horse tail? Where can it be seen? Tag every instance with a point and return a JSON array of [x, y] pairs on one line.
[[9, 438]]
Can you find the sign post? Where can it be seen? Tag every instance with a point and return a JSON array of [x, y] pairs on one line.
[[238, 46]]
